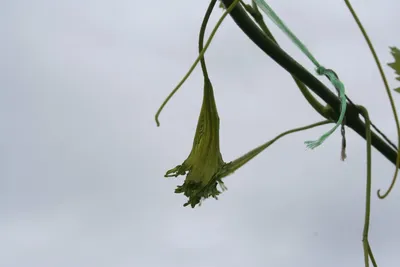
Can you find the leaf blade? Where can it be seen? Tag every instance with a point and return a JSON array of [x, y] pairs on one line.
[[396, 64]]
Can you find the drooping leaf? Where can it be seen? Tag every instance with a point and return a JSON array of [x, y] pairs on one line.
[[396, 64]]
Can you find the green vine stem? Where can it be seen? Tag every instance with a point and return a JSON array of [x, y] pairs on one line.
[[366, 246], [201, 37], [378, 64], [246, 24], [256, 14], [231, 6]]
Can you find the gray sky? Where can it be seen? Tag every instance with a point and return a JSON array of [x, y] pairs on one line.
[[82, 161]]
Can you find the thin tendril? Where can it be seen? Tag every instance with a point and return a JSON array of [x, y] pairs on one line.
[[366, 247], [231, 7], [371, 47], [371, 256], [239, 162]]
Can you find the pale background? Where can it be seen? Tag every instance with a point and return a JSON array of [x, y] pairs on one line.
[[82, 161]]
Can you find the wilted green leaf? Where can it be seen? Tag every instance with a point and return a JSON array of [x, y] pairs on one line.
[[396, 64]]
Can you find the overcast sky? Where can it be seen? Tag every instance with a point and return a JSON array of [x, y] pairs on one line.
[[82, 161]]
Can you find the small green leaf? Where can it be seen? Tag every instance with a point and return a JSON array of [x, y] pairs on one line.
[[396, 64]]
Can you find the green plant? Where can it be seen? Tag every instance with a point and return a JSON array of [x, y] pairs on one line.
[[204, 168]]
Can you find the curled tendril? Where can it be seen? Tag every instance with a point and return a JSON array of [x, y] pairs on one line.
[[390, 187], [389, 94]]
